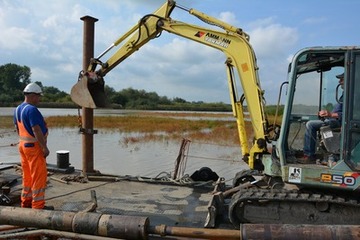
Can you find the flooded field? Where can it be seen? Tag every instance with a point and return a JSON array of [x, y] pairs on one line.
[[114, 154]]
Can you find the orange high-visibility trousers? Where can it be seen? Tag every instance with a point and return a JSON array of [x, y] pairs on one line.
[[34, 175]]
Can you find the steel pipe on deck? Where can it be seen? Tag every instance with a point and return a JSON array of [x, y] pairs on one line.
[[134, 227], [265, 232], [36, 234], [116, 226], [194, 233], [299, 232]]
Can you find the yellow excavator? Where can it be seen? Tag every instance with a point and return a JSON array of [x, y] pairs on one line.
[[278, 188]]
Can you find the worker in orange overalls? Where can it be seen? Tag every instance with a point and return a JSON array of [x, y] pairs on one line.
[[33, 149]]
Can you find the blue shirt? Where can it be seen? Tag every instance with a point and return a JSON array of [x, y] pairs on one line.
[[30, 116], [338, 108]]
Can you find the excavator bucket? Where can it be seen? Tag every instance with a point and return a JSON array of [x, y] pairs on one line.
[[89, 91]]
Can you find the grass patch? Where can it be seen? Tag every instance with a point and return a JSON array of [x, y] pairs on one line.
[[6, 122]]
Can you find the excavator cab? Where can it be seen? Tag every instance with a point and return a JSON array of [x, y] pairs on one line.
[[313, 86], [294, 192], [314, 82]]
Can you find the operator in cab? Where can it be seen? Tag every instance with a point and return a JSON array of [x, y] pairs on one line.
[[332, 119]]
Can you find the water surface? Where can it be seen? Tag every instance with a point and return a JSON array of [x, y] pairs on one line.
[[114, 155]]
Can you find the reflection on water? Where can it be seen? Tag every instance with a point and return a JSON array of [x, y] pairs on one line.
[[113, 155], [8, 111], [46, 112]]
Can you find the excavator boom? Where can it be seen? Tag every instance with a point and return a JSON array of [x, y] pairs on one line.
[[232, 41]]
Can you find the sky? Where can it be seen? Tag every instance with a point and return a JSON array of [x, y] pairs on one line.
[[47, 36]]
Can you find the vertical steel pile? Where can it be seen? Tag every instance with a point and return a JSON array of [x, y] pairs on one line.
[[88, 113]]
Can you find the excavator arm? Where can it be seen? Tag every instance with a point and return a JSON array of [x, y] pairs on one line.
[[232, 41]]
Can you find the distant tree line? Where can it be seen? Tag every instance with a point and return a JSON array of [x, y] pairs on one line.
[[130, 98], [14, 78]]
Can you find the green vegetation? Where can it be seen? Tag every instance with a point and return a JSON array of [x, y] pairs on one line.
[[130, 98], [14, 78], [155, 126]]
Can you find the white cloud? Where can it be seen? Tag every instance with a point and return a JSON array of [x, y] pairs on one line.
[[51, 22], [273, 40], [228, 17], [290, 57], [13, 34], [40, 75], [15, 38], [177, 68], [47, 37], [272, 43], [67, 68], [315, 20]]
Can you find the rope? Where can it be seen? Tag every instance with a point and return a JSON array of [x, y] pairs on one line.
[[210, 158], [80, 190], [215, 144], [7, 132], [10, 145], [167, 174], [183, 181]]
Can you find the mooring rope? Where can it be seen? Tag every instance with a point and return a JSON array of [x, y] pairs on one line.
[[211, 158], [7, 132], [9, 145]]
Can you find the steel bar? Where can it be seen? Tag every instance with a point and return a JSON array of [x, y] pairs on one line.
[[50, 233], [199, 233]]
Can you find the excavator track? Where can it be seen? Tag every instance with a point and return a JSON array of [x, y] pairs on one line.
[[258, 205]]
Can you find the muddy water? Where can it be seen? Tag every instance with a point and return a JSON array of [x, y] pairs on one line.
[[114, 156]]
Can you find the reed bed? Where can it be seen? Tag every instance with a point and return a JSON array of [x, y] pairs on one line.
[[154, 126], [159, 127], [6, 122]]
